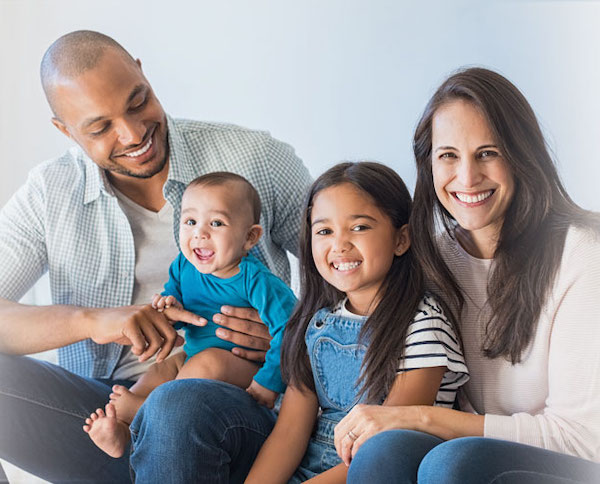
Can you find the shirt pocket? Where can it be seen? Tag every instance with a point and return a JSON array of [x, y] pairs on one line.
[[337, 369]]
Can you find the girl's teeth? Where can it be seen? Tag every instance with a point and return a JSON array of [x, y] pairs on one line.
[[346, 266], [475, 198], [141, 151]]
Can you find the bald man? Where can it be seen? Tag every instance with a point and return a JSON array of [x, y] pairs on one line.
[[103, 220]]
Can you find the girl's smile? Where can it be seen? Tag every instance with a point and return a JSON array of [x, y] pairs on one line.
[[353, 243]]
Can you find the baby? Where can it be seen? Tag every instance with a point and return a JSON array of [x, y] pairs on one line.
[[220, 214]]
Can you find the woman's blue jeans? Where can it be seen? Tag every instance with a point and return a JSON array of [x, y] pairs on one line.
[[405, 456]]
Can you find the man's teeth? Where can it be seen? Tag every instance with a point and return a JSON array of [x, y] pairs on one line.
[[475, 198], [346, 266], [142, 150]]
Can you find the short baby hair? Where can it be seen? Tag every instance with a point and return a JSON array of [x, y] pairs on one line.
[[218, 178]]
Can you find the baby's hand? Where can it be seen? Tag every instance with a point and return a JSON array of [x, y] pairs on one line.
[[262, 395], [160, 303]]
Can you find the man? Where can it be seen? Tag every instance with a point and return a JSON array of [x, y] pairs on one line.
[[103, 220]]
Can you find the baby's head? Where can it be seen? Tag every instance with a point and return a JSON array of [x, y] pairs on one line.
[[220, 215]]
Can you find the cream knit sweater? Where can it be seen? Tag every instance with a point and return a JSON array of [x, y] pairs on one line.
[[551, 399]]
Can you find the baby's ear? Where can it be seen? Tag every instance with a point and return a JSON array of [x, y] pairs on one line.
[[253, 236], [402, 240]]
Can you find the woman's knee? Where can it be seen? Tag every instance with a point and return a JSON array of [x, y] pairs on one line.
[[392, 456]]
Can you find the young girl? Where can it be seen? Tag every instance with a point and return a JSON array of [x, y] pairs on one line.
[[364, 331]]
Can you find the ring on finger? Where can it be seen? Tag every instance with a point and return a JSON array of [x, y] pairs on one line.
[[352, 435]]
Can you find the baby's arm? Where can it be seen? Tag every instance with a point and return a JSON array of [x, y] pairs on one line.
[[281, 454], [262, 395]]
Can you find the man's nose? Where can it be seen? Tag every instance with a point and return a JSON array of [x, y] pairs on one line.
[[130, 132]]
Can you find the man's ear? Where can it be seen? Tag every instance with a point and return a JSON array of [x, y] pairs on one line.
[[61, 127], [139, 63], [253, 236], [402, 240]]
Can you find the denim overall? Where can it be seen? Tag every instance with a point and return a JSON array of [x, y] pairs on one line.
[[335, 358]]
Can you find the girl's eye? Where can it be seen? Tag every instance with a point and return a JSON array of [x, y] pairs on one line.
[[216, 223], [324, 232], [190, 221], [360, 228]]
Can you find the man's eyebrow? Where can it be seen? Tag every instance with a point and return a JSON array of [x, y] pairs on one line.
[[134, 92]]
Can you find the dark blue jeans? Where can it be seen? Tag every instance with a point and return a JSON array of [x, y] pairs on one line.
[[197, 431], [405, 456], [42, 411]]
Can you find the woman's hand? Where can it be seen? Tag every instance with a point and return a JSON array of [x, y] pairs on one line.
[[245, 328], [365, 421]]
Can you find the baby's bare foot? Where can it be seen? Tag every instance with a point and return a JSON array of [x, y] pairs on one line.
[[126, 403], [108, 433]]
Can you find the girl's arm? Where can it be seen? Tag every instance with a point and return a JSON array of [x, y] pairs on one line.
[[282, 452], [413, 389]]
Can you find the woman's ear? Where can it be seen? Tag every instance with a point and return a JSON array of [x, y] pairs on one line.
[[253, 236], [402, 240]]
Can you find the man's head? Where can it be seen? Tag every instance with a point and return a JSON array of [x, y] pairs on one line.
[[101, 99], [220, 215]]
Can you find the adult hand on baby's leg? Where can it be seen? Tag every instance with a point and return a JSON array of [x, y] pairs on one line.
[[262, 395], [245, 328]]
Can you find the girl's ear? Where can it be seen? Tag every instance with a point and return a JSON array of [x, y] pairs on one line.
[[253, 236], [402, 240]]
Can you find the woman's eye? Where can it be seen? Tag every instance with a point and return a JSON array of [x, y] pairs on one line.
[[447, 156], [216, 223], [488, 154]]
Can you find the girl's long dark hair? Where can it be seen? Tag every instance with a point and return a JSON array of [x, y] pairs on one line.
[[536, 222], [384, 331]]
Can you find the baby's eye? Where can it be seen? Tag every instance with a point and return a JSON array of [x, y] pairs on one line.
[[216, 223], [190, 221]]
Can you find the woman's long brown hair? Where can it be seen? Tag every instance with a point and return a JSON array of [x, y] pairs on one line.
[[536, 222]]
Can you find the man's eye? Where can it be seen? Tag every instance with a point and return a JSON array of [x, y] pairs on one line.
[[190, 221], [216, 223], [139, 105], [101, 131]]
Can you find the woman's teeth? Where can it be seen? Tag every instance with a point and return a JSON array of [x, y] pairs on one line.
[[473, 198], [142, 150]]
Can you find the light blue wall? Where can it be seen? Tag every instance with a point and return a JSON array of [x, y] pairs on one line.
[[336, 79]]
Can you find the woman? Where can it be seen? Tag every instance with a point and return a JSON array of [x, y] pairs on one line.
[[519, 264]]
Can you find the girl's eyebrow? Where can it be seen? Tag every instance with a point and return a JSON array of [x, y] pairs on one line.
[[354, 217]]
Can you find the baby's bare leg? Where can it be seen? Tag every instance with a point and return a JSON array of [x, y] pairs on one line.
[[127, 402], [218, 364]]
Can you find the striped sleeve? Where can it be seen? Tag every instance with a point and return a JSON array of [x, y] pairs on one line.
[[431, 341]]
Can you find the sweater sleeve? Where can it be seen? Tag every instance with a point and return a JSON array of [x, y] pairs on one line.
[[570, 421], [275, 302]]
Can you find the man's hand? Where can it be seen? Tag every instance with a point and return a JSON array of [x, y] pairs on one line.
[[147, 330], [245, 329]]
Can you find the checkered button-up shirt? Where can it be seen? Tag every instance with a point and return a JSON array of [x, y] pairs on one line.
[[67, 220]]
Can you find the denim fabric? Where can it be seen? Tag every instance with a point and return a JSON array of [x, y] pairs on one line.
[[42, 410], [335, 357], [404, 456], [197, 431]]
